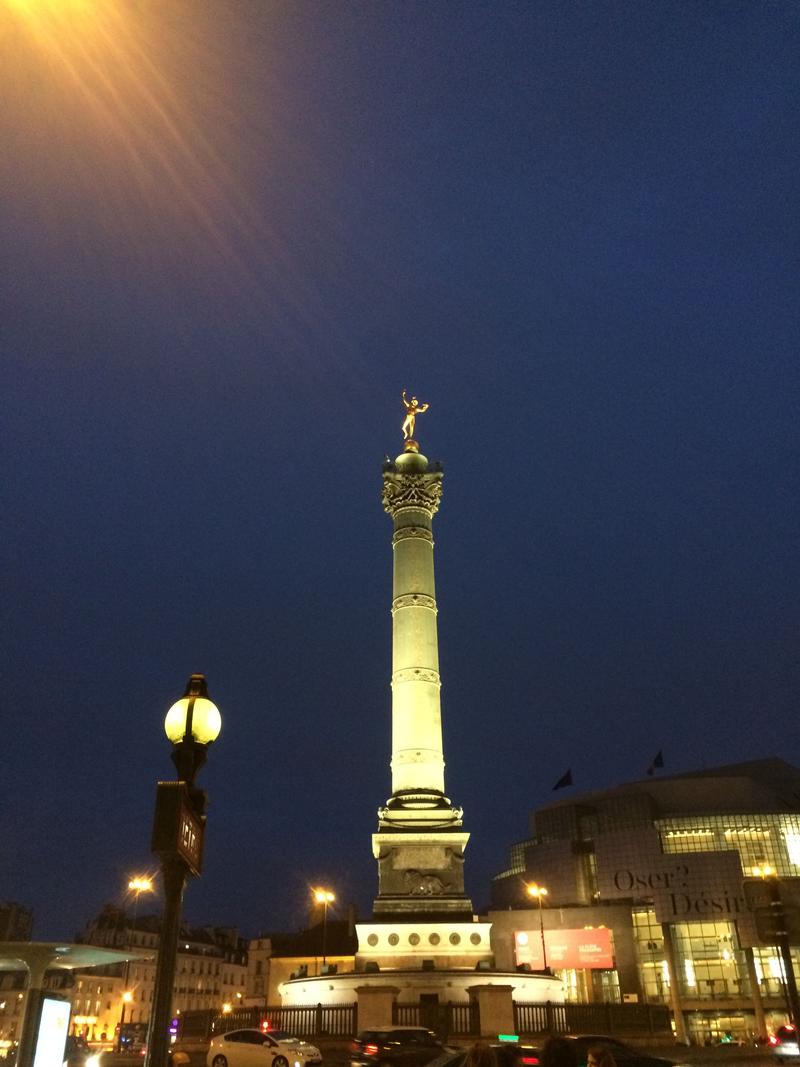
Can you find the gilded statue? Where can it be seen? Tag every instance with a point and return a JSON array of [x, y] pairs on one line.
[[413, 408]]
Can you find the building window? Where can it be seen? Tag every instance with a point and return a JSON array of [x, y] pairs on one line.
[[711, 964]]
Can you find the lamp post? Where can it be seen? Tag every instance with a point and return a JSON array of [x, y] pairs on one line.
[[769, 875], [324, 897], [140, 884], [192, 724], [127, 997], [538, 892]]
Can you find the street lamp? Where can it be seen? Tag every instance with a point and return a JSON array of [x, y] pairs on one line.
[[192, 724], [324, 897], [538, 892], [769, 875], [127, 997], [138, 885]]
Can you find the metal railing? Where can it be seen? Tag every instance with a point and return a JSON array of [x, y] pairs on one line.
[[445, 1019], [592, 1018], [313, 1020]]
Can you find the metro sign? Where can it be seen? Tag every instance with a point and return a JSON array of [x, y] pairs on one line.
[[177, 828]]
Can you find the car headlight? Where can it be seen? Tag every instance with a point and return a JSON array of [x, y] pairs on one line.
[[93, 1061]]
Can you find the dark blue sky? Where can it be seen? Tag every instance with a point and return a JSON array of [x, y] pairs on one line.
[[233, 232]]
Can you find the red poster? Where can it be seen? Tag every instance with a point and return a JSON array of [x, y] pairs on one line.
[[566, 949]]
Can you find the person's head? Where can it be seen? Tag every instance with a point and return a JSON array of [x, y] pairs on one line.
[[558, 1052], [481, 1055], [600, 1056]]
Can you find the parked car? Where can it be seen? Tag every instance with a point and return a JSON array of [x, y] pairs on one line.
[[396, 1046], [259, 1048], [784, 1042]]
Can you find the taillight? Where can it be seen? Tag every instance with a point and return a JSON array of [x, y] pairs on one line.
[[773, 1039], [531, 1061], [371, 1050]]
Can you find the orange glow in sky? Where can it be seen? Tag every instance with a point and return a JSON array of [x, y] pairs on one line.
[[124, 109]]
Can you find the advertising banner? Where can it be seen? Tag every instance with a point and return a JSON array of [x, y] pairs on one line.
[[589, 947], [684, 887], [52, 1033]]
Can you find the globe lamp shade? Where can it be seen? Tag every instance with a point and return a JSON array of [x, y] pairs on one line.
[[206, 720]]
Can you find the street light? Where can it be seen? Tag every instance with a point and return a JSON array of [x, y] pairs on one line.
[[192, 724], [127, 997], [769, 875], [138, 885], [538, 892], [324, 897]]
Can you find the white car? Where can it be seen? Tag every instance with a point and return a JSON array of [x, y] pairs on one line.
[[261, 1048], [784, 1043]]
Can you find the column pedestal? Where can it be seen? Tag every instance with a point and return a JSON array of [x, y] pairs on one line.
[[495, 1009], [375, 1006]]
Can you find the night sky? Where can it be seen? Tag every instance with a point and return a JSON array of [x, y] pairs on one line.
[[231, 232]]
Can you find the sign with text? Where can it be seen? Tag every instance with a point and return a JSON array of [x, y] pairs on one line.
[[589, 947], [177, 829], [684, 887]]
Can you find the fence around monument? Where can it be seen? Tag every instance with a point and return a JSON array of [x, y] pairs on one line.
[[340, 1021], [316, 1020], [592, 1019]]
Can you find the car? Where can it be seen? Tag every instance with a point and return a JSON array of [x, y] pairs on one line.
[[78, 1053], [396, 1046], [513, 1054], [507, 1054], [624, 1055], [784, 1042], [260, 1048]]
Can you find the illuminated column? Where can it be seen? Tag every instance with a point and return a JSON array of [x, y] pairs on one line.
[[419, 845], [411, 495]]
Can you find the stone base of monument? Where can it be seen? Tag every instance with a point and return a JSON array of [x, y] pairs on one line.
[[378, 992], [415, 943], [421, 877], [444, 962]]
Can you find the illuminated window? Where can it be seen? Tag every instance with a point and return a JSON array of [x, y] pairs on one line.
[[792, 846]]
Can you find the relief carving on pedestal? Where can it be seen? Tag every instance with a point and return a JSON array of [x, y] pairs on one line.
[[420, 884], [405, 870]]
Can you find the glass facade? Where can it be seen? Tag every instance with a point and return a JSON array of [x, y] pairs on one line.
[[710, 964], [759, 839], [590, 986], [712, 976], [653, 969]]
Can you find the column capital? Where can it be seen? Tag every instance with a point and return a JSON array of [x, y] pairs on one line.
[[411, 490]]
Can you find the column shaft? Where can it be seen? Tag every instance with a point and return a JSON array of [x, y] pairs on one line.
[[417, 760]]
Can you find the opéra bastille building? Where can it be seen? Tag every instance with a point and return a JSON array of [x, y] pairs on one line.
[[678, 872]]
